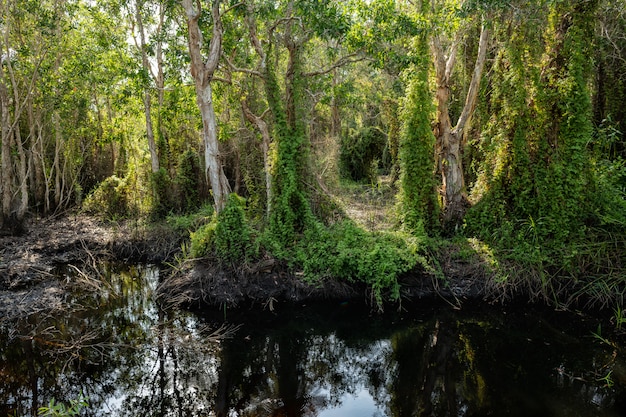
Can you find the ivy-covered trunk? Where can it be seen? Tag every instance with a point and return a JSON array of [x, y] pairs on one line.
[[290, 208], [419, 210]]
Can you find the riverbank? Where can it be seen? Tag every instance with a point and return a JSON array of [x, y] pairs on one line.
[[463, 270], [29, 264]]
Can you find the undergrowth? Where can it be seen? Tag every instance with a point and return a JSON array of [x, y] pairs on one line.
[[228, 235], [346, 252]]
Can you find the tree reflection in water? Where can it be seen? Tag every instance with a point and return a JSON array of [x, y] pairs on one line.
[[324, 361]]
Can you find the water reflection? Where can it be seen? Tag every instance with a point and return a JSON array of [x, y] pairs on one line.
[[131, 358]]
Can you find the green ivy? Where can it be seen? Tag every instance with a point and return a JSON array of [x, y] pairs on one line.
[[345, 251], [228, 236], [112, 199], [161, 193], [417, 200], [188, 174]]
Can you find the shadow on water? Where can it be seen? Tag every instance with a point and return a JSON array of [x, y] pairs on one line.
[[130, 358]]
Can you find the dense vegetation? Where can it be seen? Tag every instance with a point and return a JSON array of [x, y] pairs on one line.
[[498, 125]]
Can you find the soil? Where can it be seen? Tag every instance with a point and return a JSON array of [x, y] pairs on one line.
[[29, 263], [29, 281]]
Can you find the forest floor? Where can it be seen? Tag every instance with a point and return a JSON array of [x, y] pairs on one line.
[[369, 205]]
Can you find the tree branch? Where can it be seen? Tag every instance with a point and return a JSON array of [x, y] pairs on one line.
[[242, 70], [339, 63], [472, 93]]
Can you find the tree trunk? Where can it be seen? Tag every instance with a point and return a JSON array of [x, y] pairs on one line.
[[202, 73], [261, 125], [335, 118], [56, 165], [7, 169], [147, 100], [449, 145], [212, 160]]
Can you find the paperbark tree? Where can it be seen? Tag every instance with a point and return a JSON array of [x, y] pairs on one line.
[[7, 169], [203, 71], [450, 138], [147, 98]]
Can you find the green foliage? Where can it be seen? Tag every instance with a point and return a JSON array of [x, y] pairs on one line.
[[228, 235], [417, 200], [233, 236], [162, 195], [188, 173], [535, 183], [347, 252], [191, 221], [359, 152], [290, 208], [55, 409], [202, 239], [111, 199]]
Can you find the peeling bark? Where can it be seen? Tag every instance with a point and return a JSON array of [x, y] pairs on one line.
[[203, 73], [450, 138]]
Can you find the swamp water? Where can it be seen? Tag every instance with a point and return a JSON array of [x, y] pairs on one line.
[[335, 359]]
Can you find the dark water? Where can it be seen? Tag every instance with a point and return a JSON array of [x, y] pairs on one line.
[[336, 359]]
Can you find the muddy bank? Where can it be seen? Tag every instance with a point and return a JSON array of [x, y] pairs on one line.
[[28, 262], [202, 283], [29, 282]]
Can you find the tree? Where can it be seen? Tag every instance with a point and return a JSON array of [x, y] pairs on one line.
[[147, 69], [203, 72], [450, 138]]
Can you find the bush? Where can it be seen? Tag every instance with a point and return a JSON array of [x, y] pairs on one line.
[[347, 252], [187, 181], [202, 240], [359, 152], [111, 199], [233, 241], [162, 197], [228, 235], [191, 221]]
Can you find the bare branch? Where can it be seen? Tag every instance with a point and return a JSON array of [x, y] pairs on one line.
[[339, 63], [215, 46], [472, 93], [233, 68]]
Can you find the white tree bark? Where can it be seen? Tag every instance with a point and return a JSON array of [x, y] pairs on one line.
[[147, 99], [450, 138], [203, 73]]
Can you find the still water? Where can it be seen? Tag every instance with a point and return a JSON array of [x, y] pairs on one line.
[[130, 358]]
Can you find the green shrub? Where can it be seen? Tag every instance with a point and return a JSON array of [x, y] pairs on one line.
[[161, 193], [233, 237], [359, 151], [111, 199], [347, 252], [191, 221], [202, 239], [228, 235], [187, 181]]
